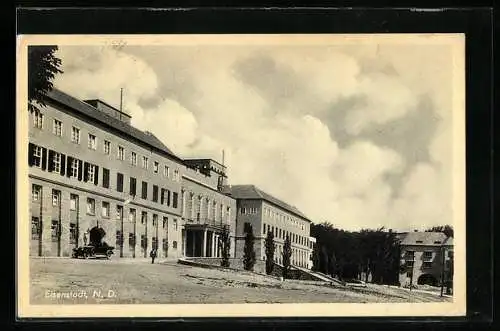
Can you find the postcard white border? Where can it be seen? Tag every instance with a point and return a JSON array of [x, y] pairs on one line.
[[455, 308]]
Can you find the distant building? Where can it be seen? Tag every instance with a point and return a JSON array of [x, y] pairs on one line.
[[266, 213], [424, 257]]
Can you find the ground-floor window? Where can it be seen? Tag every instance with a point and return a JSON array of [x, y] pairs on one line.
[[174, 245], [55, 230], [118, 238], [131, 239], [35, 228], [72, 233], [143, 241], [154, 242], [165, 246]]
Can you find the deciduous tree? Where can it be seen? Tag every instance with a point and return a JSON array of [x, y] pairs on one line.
[[43, 66]]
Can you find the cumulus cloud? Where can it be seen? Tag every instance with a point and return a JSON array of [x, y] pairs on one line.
[[281, 116]]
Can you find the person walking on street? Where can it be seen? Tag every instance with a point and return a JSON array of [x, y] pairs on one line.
[[153, 255]]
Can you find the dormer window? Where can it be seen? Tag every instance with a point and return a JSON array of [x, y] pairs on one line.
[[419, 241], [437, 242]]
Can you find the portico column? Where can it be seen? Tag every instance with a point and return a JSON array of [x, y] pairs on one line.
[[212, 245], [204, 247], [184, 239], [194, 243]]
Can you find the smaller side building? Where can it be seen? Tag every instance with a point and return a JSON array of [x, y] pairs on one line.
[[265, 213], [424, 257]]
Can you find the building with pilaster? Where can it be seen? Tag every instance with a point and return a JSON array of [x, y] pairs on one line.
[[267, 213], [89, 167]]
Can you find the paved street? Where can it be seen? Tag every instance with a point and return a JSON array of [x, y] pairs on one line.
[[66, 281]]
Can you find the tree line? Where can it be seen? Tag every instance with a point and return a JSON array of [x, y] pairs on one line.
[[357, 255]]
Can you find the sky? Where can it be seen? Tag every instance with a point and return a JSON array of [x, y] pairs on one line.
[[358, 135]]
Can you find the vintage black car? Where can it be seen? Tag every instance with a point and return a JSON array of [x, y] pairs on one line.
[[88, 251], [96, 248]]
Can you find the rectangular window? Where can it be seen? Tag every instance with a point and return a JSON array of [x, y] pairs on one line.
[[168, 197], [144, 190], [121, 153], [90, 206], [133, 159], [91, 173], [74, 168], [36, 191], [427, 256], [37, 156], [56, 197], [92, 142], [131, 215], [131, 239], [105, 209], [176, 175], [410, 255], [154, 242], [166, 171], [409, 274], [174, 244], [427, 265], [264, 228], [165, 223], [35, 228], [72, 233], [155, 167], [118, 212], [118, 238], [57, 128], [175, 224], [55, 230], [145, 162], [73, 202], [105, 178], [107, 147], [143, 241], [56, 162], [38, 119], [175, 198], [243, 210], [119, 182], [133, 186], [155, 193], [75, 135], [144, 217], [155, 219]]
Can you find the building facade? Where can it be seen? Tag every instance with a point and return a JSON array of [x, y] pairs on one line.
[[424, 257], [266, 213], [90, 168], [205, 209]]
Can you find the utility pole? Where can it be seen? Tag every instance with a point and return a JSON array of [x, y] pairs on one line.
[[442, 269], [121, 102]]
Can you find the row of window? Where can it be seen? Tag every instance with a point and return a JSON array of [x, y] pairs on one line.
[[282, 234], [298, 257], [56, 232], [203, 205], [248, 210], [410, 255], [105, 207], [273, 215], [57, 129], [88, 172]]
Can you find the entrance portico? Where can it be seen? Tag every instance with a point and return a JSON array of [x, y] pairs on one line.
[[201, 241]]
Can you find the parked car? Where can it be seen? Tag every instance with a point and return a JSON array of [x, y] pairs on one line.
[[103, 250]]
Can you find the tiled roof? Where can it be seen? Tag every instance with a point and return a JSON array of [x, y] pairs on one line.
[[423, 238], [253, 192], [127, 129]]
